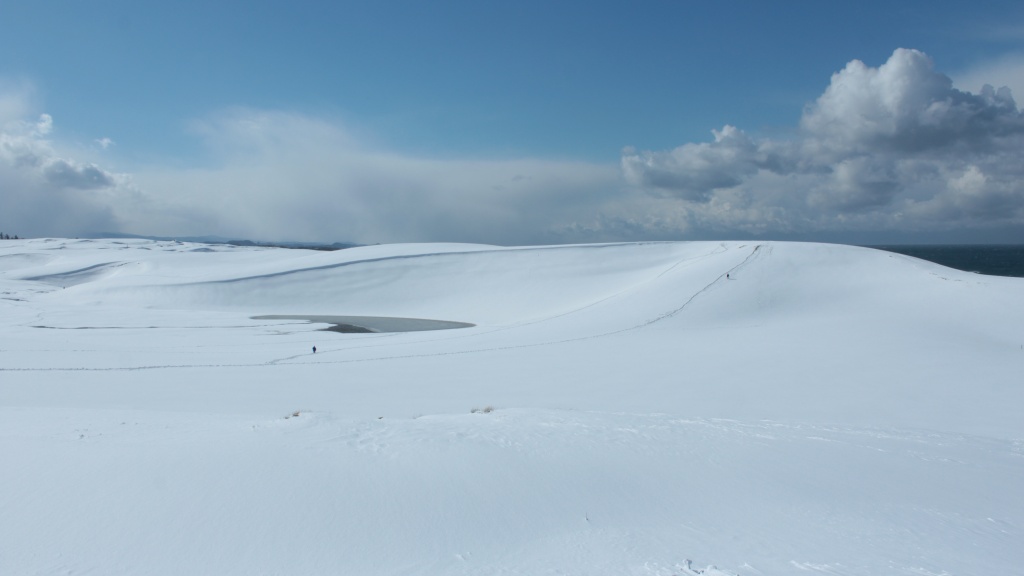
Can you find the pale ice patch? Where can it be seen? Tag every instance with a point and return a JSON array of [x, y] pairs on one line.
[[371, 323]]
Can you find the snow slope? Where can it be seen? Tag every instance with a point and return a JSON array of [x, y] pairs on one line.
[[767, 408]]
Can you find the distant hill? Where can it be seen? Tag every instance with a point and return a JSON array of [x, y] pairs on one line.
[[233, 242]]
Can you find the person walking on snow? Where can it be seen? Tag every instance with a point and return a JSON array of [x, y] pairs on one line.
[[314, 349]]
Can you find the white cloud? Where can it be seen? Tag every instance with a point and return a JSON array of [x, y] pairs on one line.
[[284, 176], [15, 99], [1007, 70], [890, 148], [42, 191], [693, 171], [904, 107], [43, 126], [277, 175], [70, 174]]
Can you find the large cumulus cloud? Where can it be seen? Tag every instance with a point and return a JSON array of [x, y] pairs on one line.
[[895, 147]]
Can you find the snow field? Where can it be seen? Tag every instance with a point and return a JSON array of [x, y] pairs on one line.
[[825, 409]]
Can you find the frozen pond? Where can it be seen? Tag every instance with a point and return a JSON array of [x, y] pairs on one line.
[[376, 324]]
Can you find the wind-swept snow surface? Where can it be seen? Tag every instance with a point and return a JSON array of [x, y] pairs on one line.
[[664, 408]]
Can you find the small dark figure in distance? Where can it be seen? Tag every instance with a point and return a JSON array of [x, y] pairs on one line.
[[726, 275], [314, 349]]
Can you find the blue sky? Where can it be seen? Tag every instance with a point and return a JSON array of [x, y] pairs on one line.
[[513, 123]]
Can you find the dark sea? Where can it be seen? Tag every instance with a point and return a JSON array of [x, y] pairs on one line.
[[992, 259]]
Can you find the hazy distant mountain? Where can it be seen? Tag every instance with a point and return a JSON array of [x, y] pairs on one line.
[[232, 241]]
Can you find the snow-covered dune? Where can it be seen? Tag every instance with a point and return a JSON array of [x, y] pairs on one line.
[[770, 408]]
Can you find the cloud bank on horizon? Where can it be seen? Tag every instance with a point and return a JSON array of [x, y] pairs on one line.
[[890, 151], [887, 148]]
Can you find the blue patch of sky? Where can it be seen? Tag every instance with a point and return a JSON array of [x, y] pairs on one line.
[[567, 79]]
